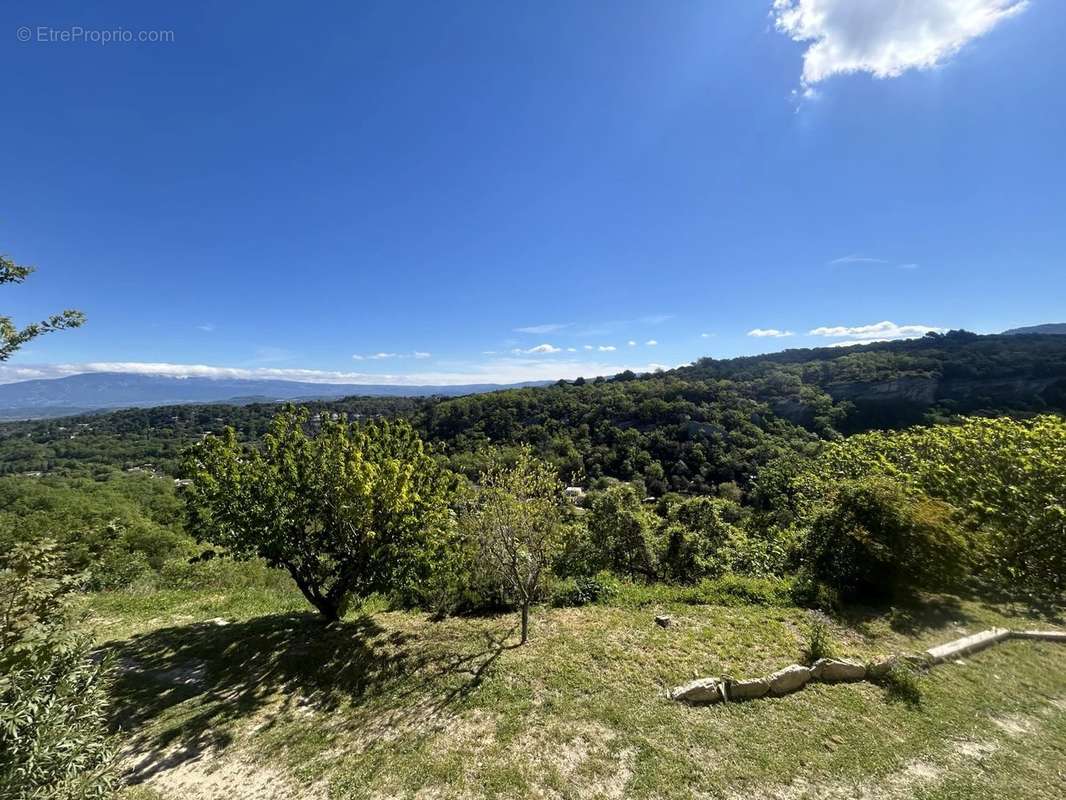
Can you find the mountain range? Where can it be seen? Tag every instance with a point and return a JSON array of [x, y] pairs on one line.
[[78, 394]]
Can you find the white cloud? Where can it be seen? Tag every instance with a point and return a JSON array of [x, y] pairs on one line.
[[588, 347], [550, 327], [380, 356], [771, 333], [207, 327], [884, 37], [706, 335], [606, 348], [420, 354], [540, 349], [879, 331], [631, 343], [651, 343]]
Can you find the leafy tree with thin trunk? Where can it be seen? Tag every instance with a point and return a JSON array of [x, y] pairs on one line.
[[13, 337], [347, 510], [516, 520]]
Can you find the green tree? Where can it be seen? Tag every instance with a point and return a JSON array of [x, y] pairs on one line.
[[13, 337], [347, 511], [620, 529], [516, 520], [53, 693]]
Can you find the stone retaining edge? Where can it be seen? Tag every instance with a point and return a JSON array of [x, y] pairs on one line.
[[707, 691]]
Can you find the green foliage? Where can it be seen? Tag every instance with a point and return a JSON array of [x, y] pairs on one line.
[[1006, 476], [621, 530], [515, 519], [12, 337], [729, 590], [119, 527], [53, 693], [699, 534], [347, 510], [585, 590], [820, 642], [903, 683], [872, 538]]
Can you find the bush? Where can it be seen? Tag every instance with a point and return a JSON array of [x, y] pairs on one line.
[[903, 683], [1007, 477], [819, 639], [585, 590], [53, 694], [874, 539]]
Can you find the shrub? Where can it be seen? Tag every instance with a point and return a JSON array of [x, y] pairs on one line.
[[903, 683], [1008, 477], [53, 697], [819, 639], [874, 539], [585, 590]]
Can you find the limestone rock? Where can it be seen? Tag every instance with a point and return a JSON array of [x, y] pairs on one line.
[[837, 670], [745, 690], [876, 670], [966, 645], [701, 690], [789, 679]]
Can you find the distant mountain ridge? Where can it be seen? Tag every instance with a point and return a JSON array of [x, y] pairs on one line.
[[1054, 328], [101, 391]]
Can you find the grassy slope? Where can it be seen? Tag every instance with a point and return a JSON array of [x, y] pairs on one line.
[[394, 705]]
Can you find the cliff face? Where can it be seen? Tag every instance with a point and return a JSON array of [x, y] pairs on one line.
[[905, 401], [929, 391]]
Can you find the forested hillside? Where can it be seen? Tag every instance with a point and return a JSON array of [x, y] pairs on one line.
[[687, 429]]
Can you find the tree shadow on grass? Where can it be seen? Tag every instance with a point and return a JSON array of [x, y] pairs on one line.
[[910, 615], [206, 677]]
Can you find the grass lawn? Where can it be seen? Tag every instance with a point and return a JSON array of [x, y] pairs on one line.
[[272, 704]]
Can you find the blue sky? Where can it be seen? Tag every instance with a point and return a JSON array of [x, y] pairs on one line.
[[467, 191]]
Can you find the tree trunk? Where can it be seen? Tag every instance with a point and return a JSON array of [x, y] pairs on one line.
[[525, 622], [325, 605]]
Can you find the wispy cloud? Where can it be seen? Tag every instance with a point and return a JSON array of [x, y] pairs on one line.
[[206, 327], [383, 356], [631, 343], [651, 343], [549, 327], [769, 333], [856, 259], [884, 38], [606, 348]]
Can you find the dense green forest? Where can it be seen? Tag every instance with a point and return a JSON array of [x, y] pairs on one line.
[[686, 430]]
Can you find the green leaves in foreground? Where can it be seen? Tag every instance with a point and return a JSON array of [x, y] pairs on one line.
[[53, 740], [347, 509], [1005, 478]]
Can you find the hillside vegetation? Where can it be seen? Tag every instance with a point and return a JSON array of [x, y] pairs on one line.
[[483, 630]]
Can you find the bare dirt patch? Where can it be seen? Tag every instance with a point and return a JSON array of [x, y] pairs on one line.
[[214, 776]]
